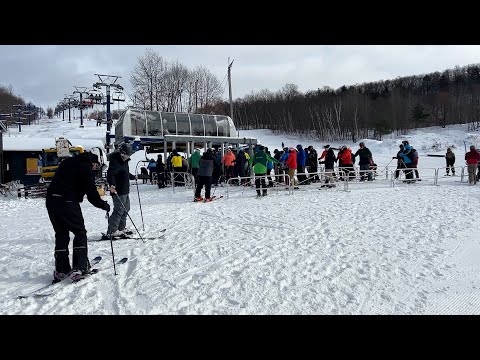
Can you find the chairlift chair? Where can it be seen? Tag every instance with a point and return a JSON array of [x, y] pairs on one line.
[[118, 96]]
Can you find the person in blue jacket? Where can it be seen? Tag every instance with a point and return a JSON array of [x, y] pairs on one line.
[[301, 160], [284, 167], [407, 157]]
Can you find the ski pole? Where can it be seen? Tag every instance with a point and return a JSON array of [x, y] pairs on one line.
[[138, 192], [139, 203], [111, 244], [129, 216]]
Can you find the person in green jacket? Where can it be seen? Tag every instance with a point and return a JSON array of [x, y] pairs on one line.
[[259, 163], [194, 162]]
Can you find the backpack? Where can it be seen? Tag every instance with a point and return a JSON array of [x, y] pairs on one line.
[[330, 158], [411, 154]]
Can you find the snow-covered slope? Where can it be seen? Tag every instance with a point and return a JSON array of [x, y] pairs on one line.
[[373, 250]]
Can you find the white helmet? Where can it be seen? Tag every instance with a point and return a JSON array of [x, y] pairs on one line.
[[99, 153]]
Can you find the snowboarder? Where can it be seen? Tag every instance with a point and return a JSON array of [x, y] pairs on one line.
[[73, 180]]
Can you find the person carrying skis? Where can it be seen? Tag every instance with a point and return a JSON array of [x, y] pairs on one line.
[[450, 159], [204, 175], [118, 177], [73, 180]]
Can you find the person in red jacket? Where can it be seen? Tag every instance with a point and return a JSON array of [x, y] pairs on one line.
[[345, 156], [292, 164], [472, 157]]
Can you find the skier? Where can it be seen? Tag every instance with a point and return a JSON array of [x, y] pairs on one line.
[[160, 167], [259, 163], [347, 164], [144, 174], [365, 161], [472, 157], [407, 158], [312, 163], [194, 162], [229, 160], [450, 159], [400, 164], [204, 175], [177, 167], [73, 180], [152, 168], [301, 161], [118, 177], [329, 162], [291, 162]]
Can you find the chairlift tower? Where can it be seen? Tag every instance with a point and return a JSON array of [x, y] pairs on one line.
[[80, 90], [68, 98], [108, 81]]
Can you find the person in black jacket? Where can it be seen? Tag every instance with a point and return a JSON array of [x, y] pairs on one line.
[[204, 175], [73, 180], [160, 172], [118, 177]]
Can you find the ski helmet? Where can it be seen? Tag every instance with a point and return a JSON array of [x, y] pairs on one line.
[[126, 149]]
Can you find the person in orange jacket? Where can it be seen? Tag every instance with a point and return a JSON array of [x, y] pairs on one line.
[[229, 161]]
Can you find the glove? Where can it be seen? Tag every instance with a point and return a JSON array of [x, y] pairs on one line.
[[106, 206]]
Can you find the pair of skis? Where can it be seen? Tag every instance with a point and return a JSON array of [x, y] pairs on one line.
[[130, 237], [40, 292], [214, 197]]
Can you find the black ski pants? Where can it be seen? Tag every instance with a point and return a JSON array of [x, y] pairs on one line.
[[66, 217], [203, 180]]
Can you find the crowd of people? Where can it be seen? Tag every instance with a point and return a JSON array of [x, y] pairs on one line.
[[284, 164]]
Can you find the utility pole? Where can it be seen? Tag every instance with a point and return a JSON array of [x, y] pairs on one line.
[[107, 82], [3, 128], [81, 92], [230, 88], [196, 81], [151, 93]]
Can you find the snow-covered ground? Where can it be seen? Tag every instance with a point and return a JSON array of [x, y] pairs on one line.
[[410, 249]]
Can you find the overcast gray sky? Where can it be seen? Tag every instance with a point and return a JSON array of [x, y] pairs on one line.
[[44, 73]]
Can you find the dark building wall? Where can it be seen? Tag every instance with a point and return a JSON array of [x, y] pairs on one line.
[[17, 164]]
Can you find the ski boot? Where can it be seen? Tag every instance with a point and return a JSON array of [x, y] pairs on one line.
[[197, 198]]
